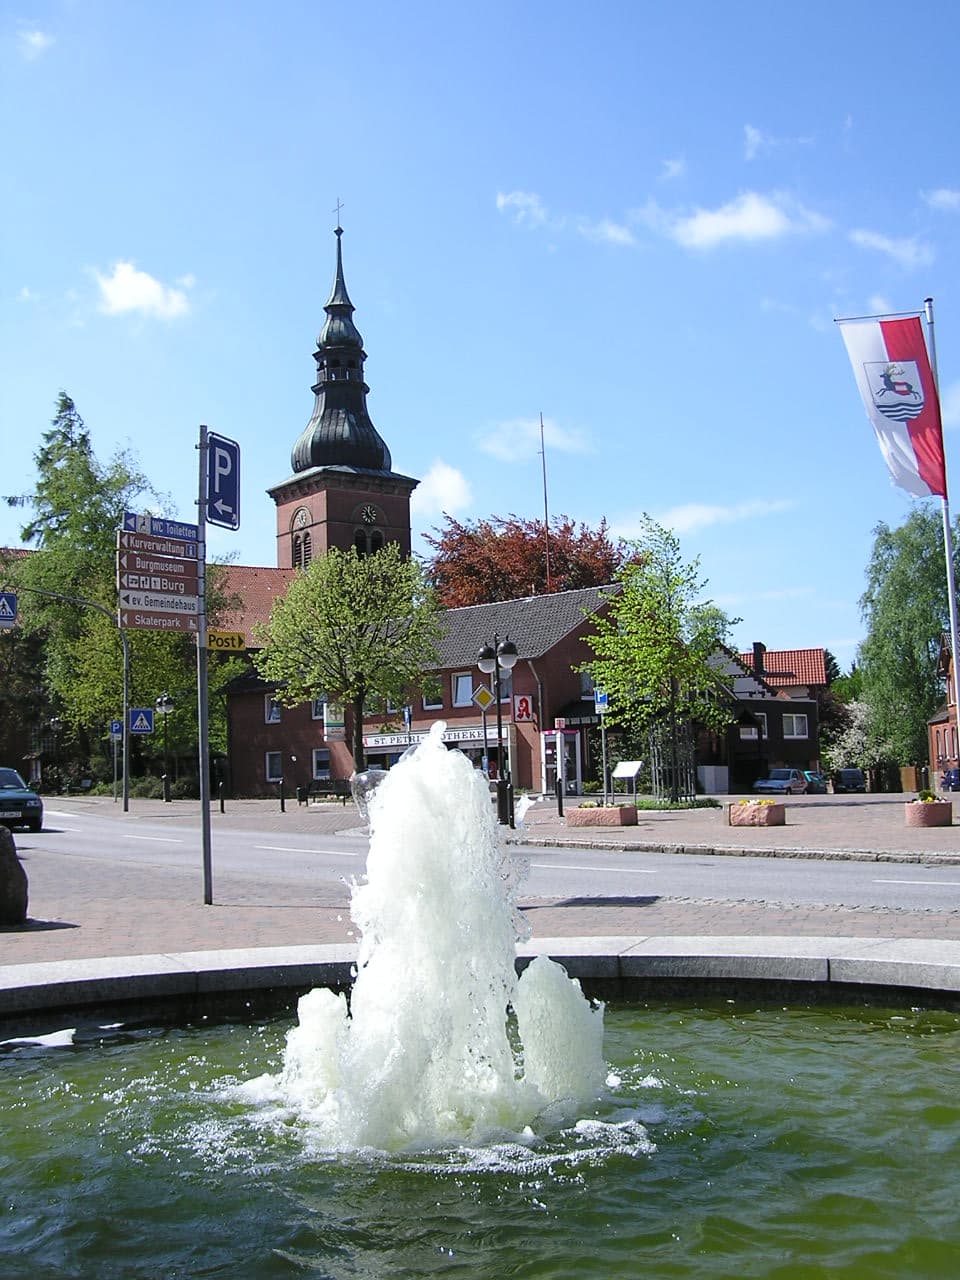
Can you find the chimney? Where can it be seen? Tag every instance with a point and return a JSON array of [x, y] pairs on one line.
[[758, 651]]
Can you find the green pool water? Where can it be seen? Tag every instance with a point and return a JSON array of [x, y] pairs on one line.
[[733, 1141]]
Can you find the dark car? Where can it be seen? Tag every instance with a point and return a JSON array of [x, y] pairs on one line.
[[19, 806], [950, 780], [816, 782], [849, 780]]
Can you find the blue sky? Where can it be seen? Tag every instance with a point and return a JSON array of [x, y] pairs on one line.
[[639, 220]]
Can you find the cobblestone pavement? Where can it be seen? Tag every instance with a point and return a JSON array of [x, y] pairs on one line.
[[82, 908]]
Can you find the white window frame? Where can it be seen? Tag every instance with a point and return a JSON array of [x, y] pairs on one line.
[[506, 685], [762, 717], [794, 718], [271, 709], [321, 763], [273, 758], [436, 704], [316, 707], [457, 681]]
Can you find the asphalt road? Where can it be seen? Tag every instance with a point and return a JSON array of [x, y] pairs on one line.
[[328, 861]]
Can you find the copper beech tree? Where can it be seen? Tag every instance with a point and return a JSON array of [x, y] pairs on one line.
[[505, 557]]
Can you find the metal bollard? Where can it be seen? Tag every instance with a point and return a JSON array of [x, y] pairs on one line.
[[220, 794], [510, 798], [283, 799], [559, 790]]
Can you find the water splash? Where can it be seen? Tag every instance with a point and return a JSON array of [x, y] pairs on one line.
[[427, 1054]]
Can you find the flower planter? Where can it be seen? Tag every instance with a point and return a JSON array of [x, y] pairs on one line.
[[618, 815], [757, 815], [928, 813]]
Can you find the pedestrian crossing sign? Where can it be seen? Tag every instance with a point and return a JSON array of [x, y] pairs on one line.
[[141, 719], [8, 608]]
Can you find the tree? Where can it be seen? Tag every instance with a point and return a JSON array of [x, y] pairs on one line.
[[504, 558], [657, 644], [906, 611], [355, 629]]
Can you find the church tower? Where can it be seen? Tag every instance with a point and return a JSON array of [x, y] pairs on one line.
[[342, 492]]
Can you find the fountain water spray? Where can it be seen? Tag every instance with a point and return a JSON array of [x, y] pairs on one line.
[[427, 1053]]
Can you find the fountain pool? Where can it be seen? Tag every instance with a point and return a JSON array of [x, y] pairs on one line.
[[731, 1140]]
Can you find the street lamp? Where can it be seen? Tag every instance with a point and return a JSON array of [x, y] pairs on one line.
[[502, 653], [164, 705], [56, 724]]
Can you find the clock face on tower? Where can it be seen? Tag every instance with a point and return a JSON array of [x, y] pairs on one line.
[[368, 514], [301, 518]]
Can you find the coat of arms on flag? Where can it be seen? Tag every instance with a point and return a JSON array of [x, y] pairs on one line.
[[896, 388]]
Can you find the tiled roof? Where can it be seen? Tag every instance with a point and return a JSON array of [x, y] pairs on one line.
[[256, 587], [791, 666], [534, 623]]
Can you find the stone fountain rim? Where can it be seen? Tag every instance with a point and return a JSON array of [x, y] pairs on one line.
[[842, 963]]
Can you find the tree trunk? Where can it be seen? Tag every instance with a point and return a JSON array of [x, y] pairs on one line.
[[359, 763]]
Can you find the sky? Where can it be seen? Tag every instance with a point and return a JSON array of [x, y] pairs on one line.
[[639, 220]]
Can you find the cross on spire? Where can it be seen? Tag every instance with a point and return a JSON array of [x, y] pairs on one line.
[[338, 228]]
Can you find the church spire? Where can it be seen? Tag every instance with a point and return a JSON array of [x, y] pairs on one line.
[[340, 433]]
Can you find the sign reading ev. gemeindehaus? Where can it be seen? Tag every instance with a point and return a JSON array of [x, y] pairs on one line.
[[223, 481], [8, 608], [141, 719]]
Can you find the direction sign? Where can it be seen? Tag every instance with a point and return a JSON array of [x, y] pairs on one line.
[[147, 620], [222, 640], [172, 584], [148, 545], [141, 719], [8, 608], [159, 527], [159, 602], [186, 571], [223, 481]]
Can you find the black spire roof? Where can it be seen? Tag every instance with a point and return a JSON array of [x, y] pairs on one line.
[[340, 433]]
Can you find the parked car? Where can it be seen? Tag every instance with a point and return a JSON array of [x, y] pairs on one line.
[[782, 782], [849, 780], [19, 806], [950, 780], [816, 782]]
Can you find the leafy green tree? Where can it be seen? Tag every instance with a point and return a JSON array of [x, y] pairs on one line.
[[358, 629], [657, 645], [906, 612]]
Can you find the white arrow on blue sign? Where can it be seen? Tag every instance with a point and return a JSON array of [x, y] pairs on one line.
[[223, 481], [8, 608], [141, 719]]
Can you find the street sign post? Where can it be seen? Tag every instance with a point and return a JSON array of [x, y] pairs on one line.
[[8, 608], [601, 705], [223, 481], [141, 719]]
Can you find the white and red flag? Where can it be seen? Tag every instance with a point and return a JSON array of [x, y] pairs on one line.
[[892, 368]]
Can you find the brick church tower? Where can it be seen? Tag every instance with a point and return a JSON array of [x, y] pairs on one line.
[[343, 492]]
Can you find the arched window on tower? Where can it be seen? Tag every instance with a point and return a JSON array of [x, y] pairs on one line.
[[298, 550], [360, 542], [307, 549], [376, 540]]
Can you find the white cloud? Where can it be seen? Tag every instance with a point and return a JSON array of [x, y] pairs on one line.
[[673, 169], [942, 198], [33, 44], [751, 216], [753, 140], [950, 404], [693, 516], [607, 232], [443, 490], [518, 439], [878, 305], [907, 252], [525, 207], [128, 290]]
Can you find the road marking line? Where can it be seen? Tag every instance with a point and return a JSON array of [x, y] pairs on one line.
[[934, 884], [329, 853], [155, 839], [564, 866]]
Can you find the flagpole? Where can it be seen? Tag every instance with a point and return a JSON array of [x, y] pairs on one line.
[[947, 534]]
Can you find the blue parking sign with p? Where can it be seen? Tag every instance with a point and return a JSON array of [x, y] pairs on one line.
[[116, 728]]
